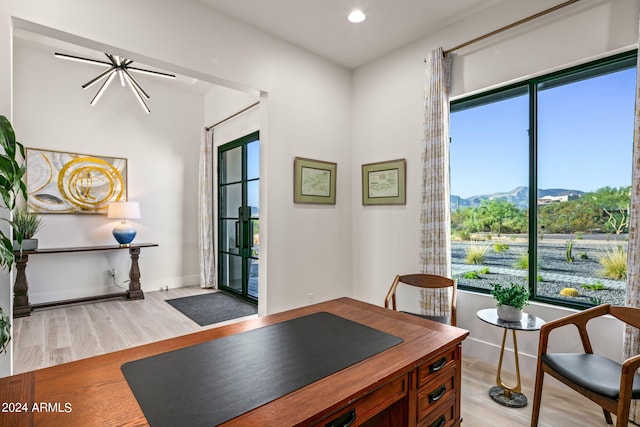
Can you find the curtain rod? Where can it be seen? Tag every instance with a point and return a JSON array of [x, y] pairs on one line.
[[232, 116], [508, 27]]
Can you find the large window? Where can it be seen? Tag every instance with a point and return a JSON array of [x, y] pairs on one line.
[[561, 143]]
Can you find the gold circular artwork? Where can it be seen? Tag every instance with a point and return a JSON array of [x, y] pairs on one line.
[[90, 183]]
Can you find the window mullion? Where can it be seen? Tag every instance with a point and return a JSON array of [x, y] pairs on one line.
[[533, 188]]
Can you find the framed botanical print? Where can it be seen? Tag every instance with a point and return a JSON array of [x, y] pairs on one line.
[[314, 181], [383, 183]]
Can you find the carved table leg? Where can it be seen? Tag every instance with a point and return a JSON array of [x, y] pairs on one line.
[[134, 276], [21, 306]]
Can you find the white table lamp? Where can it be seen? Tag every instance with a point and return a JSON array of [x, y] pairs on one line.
[[124, 232]]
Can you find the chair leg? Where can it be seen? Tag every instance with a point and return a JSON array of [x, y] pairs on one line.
[[537, 395], [607, 416], [622, 416]]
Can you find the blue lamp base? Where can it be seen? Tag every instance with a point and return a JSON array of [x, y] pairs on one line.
[[124, 233]]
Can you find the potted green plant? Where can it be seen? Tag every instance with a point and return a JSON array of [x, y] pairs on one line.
[[12, 170], [25, 226], [510, 300]]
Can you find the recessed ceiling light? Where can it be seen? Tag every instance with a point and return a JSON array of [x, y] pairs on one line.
[[356, 16]]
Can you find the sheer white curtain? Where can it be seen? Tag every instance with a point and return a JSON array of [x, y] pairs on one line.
[[435, 224], [206, 245], [632, 335]]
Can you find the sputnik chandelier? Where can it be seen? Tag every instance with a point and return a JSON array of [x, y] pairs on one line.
[[121, 67]]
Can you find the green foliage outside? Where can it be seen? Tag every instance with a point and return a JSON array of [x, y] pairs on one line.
[[500, 247], [522, 261], [475, 254], [471, 275], [605, 210], [614, 263], [598, 286]]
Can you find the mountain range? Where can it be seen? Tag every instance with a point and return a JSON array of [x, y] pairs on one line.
[[518, 196]]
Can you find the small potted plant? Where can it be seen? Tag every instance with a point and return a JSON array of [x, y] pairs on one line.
[[25, 226], [510, 300]]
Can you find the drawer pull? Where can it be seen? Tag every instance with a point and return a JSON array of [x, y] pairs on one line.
[[343, 421], [437, 394], [440, 422], [434, 367]]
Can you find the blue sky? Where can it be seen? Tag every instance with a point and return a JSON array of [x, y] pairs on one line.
[[585, 138]]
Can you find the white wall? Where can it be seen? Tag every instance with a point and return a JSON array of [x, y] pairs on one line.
[[52, 112], [309, 114], [387, 124]]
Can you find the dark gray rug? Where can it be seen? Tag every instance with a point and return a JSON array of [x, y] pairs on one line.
[[213, 307]]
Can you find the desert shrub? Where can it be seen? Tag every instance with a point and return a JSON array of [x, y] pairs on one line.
[[569, 292], [471, 275], [569, 251], [500, 247], [598, 286], [475, 254], [614, 263], [464, 234], [522, 261]]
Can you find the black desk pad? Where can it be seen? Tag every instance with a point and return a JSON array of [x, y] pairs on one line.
[[213, 382]]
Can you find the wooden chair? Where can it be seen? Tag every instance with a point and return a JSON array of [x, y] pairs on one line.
[[606, 382], [425, 281]]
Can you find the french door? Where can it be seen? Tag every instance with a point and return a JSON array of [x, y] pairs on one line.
[[239, 216]]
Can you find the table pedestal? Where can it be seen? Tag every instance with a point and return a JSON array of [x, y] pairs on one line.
[[511, 397], [501, 393], [21, 305]]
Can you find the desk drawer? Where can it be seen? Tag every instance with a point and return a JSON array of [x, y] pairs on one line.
[[433, 367], [441, 388], [371, 404], [442, 415]]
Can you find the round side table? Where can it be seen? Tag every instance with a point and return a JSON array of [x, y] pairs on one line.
[[509, 396]]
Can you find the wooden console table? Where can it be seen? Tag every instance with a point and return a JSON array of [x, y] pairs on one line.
[[414, 383], [21, 305]]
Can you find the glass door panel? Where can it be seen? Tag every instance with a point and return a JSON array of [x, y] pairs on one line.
[[238, 225], [231, 166], [230, 233], [231, 272]]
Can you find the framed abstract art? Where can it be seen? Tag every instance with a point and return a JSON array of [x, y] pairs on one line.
[[73, 183]]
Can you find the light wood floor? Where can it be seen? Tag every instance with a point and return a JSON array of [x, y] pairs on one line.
[[51, 337]]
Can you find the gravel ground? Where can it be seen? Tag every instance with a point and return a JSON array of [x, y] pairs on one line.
[[557, 273]]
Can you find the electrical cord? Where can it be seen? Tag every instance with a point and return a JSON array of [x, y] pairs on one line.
[[113, 276]]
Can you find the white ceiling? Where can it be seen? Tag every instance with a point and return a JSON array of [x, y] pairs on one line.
[[321, 26]]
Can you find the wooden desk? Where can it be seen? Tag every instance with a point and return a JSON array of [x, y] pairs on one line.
[[21, 305], [416, 383]]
